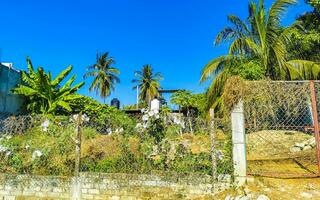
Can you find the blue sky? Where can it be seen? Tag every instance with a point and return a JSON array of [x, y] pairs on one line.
[[174, 36]]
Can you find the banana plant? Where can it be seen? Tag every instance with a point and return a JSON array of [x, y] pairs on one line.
[[44, 94]]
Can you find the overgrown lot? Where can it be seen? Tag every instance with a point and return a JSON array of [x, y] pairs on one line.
[[48, 147]]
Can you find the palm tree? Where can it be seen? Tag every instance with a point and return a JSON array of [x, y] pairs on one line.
[[44, 94], [105, 76], [258, 42], [148, 83]]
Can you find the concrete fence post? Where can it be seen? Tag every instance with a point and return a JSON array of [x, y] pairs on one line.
[[239, 144], [76, 181], [213, 146]]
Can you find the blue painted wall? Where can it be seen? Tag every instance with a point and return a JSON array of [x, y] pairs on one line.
[[9, 102]]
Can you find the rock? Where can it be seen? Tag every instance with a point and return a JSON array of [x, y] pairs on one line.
[[282, 189], [228, 197], [247, 191], [241, 197], [250, 196], [301, 145], [295, 149], [244, 198], [308, 147], [312, 142], [306, 195], [267, 189], [263, 197]]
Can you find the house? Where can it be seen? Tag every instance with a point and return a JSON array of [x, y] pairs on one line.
[[9, 78]]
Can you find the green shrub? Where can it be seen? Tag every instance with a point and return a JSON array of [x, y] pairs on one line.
[[104, 118]]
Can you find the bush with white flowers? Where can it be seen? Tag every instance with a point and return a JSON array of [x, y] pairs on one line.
[[84, 118], [152, 123], [3, 148]]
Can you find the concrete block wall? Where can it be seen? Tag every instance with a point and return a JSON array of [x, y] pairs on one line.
[[108, 186]]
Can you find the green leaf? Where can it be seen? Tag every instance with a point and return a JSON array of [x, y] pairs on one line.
[[61, 76]]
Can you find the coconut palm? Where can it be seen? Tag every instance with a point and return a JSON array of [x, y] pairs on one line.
[[148, 83], [44, 94], [105, 76], [258, 42]]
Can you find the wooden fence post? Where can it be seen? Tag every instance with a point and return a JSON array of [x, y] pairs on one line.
[[239, 144]]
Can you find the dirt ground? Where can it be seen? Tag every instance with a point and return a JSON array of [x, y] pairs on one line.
[[287, 189]]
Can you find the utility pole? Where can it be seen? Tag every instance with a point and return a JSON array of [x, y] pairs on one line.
[[137, 106]]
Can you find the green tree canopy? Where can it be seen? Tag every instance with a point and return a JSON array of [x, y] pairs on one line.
[[187, 100], [258, 49], [305, 43], [148, 83], [104, 75]]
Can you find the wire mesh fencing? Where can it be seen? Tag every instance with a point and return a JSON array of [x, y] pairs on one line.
[[37, 145], [167, 145], [280, 128]]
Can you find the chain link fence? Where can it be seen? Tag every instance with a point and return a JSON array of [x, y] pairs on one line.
[[171, 145], [280, 128]]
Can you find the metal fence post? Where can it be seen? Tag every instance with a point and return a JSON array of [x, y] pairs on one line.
[[315, 120], [213, 146], [238, 144]]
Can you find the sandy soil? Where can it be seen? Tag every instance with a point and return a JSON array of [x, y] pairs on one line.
[[277, 189]]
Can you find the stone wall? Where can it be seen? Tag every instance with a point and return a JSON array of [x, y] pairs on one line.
[[109, 186]]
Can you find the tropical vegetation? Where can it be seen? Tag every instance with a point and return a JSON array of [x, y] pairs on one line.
[[305, 43], [148, 83], [258, 49], [44, 94], [113, 140], [105, 76]]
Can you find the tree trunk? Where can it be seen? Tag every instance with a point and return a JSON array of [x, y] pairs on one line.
[[189, 120]]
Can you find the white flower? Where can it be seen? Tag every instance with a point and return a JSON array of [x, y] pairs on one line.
[[219, 154], [27, 146], [36, 153], [145, 125], [157, 116], [8, 153], [75, 117], [139, 125], [3, 149], [85, 118], [45, 125], [145, 117], [143, 110], [109, 131], [119, 130], [151, 113]]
